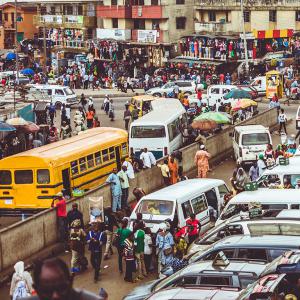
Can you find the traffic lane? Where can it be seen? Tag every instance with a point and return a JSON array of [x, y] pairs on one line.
[[290, 110]]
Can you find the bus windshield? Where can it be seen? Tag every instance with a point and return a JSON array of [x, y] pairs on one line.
[[156, 207], [255, 139], [144, 132]]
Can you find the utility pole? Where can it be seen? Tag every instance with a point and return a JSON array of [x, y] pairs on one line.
[[16, 51], [244, 39]]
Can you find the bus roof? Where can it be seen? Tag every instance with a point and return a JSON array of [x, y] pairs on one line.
[[291, 168], [58, 151]]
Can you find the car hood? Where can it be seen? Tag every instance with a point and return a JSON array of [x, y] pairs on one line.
[[141, 292]]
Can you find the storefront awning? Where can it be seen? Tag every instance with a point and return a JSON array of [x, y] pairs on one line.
[[187, 60], [273, 34]]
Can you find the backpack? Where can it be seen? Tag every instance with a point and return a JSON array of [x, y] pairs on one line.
[[20, 291]]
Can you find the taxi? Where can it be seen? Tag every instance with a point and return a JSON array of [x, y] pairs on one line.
[[142, 103]]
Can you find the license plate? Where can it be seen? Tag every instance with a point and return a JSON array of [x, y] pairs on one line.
[[8, 201]]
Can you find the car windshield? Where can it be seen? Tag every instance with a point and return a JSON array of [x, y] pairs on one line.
[[255, 139], [69, 92], [146, 132], [155, 207]]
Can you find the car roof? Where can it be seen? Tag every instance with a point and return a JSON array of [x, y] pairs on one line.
[[264, 241], [250, 128], [182, 188], [290, 168]]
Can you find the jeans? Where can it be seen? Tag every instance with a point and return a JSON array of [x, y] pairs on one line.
[[120, 256], [130, 268], [116, 202], [108, 247], [124, 202], [62, 230], [148, 260], [96, 258], [282, 124], [140, 264]]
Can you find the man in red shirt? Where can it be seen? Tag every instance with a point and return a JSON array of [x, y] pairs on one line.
[[61, 212], [193, 228]]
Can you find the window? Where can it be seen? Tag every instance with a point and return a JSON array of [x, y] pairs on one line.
[[229, 253], [180, 1], [24, 177], [292, 179], [142, 132], [12, 17], [43, 176], [80, 10], [274, 206], [155, 24], [173, 129], [212, 16], [112, 153], [223, 190], [180, 23], [247, 15], [154, 2], [199, 204], [59, 92], [69, 10], [124, 149], [188, 280], [212, 200], [105, 156], [252, 254], [255, 139], [274, 253], [184, 83], [289, 229], [234, 229], [215, 91], [74, 167], [98, 158], [298, 15], [272, 16], [115, 23], [186, 209], [5, 17], [114, 2], [82, 164], [90, 161], [156, 207], [138, 24], [5, 177], [52, 10], [215, 280]]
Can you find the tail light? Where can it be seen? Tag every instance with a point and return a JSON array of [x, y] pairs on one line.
[[165, 151], [240, 152]]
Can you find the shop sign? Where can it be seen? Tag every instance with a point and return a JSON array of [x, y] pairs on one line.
[[147, 36], [74, 19], [116, 34]]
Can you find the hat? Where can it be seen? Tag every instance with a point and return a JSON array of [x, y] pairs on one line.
[[91, 98], [59, 194], [202, 147], [261, 156]]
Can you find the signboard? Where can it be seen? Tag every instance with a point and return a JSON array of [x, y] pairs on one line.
[[74, 19], [116, 34], [147, 36]]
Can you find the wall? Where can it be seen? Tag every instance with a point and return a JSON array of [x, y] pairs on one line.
[[24, 239]]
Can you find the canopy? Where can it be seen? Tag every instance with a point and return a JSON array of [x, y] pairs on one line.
[[237, 94], [204, 125], [243, 103], [4, 127], [11, 56], [30, 127], [27, 71], [218, 117], [17, 121]]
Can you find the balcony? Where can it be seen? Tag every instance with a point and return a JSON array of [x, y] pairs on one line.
[[147, 36], [213, 27], [67, 21], [72, 45], [147, 12], [114, 11], [116, 34]]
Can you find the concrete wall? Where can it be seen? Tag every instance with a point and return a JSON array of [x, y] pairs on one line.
[[25, 239]]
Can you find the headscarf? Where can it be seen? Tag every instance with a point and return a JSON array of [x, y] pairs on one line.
[[19, 268], [241, 178]]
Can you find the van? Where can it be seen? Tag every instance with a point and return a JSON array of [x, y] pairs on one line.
[[260, 84], [249, 141], [59, 94], [280, 174], [268, 199], [178, 201], [216, 92]]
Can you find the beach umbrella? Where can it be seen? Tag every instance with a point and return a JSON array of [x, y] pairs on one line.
[[243, 103], [218, 117], [27, 71], [10, 56], [237, 94], [204, 125], [4, 127], [17, 122]]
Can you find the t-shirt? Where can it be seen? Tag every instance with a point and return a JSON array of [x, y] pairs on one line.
[[164, 170], [61, 208], [139, 241], [124, 234], [148, 244], [281, 118], [194, 226], [123, 179]]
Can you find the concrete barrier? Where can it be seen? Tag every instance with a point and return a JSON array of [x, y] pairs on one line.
[[23, 240]]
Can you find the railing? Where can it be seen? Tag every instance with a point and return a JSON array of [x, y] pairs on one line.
[[114, 11], [64, 43], [68, 21], [212, 27], [258, 3]]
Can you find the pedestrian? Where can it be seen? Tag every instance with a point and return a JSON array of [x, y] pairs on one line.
[[90, 117], [116, 190], [95, 239], [91, 104], [241, 180], [75, 214], [111, 111], [77, 239], [148, 159], [139, 243], [148, 249], [173, 167], [201, 161], [52, 280], [129, 167], [109, 222], [96, 122], [254, 172], [129, 84], [261, 164], [121, 235], [83, 102], [124, 185], [194, 228], [65, 130], [127, 117], [21, 282], [129, 257], [52, 113], [63, 114], [282, 119], [165, 172], [135, 113], [59, 202]]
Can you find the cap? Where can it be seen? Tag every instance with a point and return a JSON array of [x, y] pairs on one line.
[[202, 147], [91, 98], [261, 156]]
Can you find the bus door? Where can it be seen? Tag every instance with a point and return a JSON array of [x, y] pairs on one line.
[[66, 181], [118, 157]]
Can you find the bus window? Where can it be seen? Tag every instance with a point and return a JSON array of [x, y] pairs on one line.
[[124, 149], [43, 176], [143, 132], [90, 161], [112, 153], [23, 177], [199, 204], [74, 167], [82, 164], [98, 158], [5, 177], [105, 156], [173, 129]]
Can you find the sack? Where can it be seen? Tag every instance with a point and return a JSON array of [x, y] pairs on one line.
[[20, 291], [168, 251], [116, 240]]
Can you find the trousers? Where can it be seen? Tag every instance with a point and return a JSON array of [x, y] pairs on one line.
[[96, 258]]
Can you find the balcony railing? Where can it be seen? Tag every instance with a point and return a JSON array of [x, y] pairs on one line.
[[212, 27], [64, 43], [147, 12], [68, 21], [247, 3], [114, 11]]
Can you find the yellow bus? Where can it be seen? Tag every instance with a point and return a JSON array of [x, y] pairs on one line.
[[29, 180]]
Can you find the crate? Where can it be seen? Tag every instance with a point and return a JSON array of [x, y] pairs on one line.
[[251, 186], [284, 161]]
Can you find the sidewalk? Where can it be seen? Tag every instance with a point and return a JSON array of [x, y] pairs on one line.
[[110, 92]]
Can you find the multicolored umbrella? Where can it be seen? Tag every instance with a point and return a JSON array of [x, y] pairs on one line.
[[30, 127], [204, 125], [17, 121], [218, 117], [237, 94], [243, 103], [4, 127]]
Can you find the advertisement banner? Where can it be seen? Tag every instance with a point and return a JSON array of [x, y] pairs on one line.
[[147, 36]]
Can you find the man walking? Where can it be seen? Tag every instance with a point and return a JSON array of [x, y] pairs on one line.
[[116, 190], [109, 221], [165, 172], [127, 116], [75, 214], [201, 161], [282, 119], [124, 185]]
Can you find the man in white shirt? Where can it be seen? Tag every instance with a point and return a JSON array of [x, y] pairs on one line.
[[282, 119], [147, 158], [124, 186], [130, 171]]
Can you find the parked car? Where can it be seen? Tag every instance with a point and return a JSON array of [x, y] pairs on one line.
[[186, 86]]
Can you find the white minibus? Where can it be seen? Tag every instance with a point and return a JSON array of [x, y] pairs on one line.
[[160, 131]]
